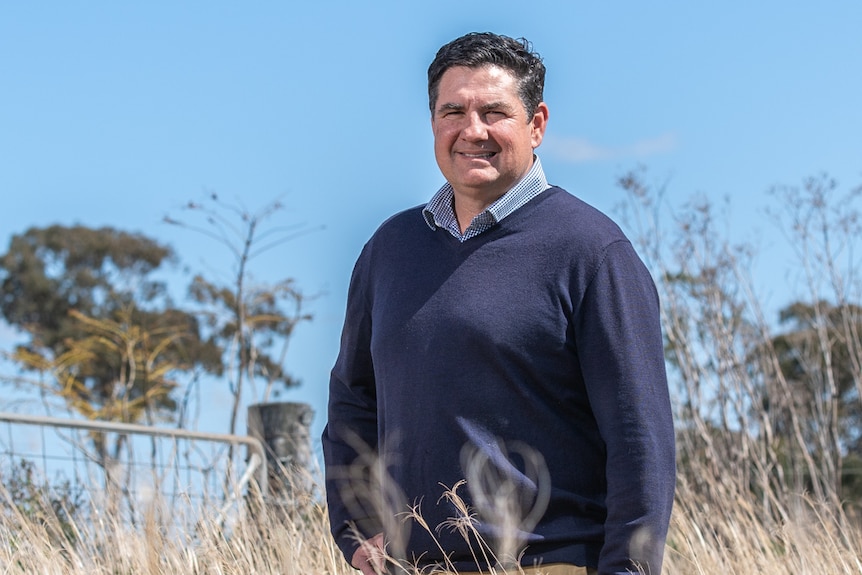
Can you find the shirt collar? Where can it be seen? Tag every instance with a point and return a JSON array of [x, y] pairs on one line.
[[440, 210]]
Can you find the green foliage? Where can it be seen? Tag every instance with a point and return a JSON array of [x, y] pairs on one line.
[[30, 499], [98, 321], [49, 271], [852, 479], [815, 356], [142, 363], [102, 327], [262, 317]]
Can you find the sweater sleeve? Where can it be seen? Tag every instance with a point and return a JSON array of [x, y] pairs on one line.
[[350, 437], [622, 357]]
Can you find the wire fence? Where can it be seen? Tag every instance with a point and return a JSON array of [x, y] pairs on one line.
[[142, 474]]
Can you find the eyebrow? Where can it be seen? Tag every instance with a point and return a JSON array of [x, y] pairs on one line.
[[449, 107], [452, 106]]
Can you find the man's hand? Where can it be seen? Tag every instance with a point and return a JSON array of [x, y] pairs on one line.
[[370, 557]]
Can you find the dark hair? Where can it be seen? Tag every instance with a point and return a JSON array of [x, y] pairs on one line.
[[479, 49]]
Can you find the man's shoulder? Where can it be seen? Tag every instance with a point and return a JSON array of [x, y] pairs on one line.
[[401, 222], [572, 215], [402, 230]]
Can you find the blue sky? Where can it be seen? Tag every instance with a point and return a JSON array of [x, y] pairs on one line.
[[117, 113]]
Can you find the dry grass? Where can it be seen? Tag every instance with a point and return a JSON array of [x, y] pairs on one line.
[[704, 538], [289, 541], [732, 538]]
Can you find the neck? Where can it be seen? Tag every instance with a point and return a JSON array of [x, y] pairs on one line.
[[467, 208]]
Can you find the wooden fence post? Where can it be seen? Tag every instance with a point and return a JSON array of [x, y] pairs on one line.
[[284, 427]]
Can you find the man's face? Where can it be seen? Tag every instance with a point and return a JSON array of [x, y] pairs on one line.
[[483, 139]]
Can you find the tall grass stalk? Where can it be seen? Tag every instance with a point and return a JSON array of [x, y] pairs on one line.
[[705, 538]]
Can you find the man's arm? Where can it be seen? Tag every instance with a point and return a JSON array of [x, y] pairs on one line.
[[622, 358], [350, 436]]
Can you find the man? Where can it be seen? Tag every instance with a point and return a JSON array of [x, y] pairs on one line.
[[508, 335]]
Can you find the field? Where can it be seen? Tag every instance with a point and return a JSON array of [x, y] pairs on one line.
[[40, 536]]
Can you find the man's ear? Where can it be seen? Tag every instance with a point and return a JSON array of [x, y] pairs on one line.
[[539, 122]]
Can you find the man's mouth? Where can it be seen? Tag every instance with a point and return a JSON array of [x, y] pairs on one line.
[[482, 155]]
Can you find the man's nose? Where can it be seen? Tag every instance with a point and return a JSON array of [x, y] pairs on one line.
[[475, 128]]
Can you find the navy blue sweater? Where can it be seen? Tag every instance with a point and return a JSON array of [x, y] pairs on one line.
[[536, 344]]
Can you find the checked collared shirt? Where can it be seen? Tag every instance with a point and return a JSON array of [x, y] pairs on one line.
[[440, 211]]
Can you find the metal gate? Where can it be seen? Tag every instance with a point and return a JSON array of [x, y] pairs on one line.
[[132, 469]]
